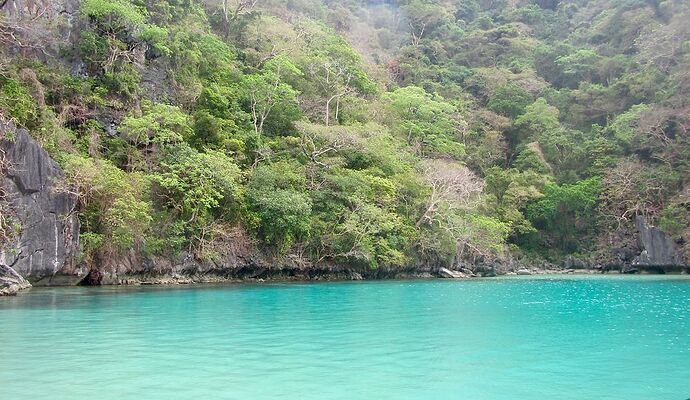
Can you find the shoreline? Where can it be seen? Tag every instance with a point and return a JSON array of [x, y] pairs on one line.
[[191, 282], [134, 271]]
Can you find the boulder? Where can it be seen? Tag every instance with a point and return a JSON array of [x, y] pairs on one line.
[[11, 282], [48, 240], [452, 274]]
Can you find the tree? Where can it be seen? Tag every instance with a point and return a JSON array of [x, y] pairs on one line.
[[423, 17], [630, 189], [317, 141], [477, 237], [267, 93], [358, 220], [371, 235], [159, 125], [623, 128], [453, 186], [333, 71], [115, 47], [111, 204], [427, 122], [580, 65], [280, 208], [233, 9], [510, 100], [565, 214], [452, 217], [197, 188], [334, 80], [538, 117], [120, 21], [508, 192]]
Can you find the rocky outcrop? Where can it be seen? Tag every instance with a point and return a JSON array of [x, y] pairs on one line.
[[42, 28], [658, 249], [133, 269], [453, 274], [48, 240], [11, 282]]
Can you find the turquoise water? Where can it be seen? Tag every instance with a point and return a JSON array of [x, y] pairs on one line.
[[510, 338]]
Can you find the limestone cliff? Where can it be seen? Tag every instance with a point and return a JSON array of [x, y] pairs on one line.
[[47, 242], [658, 248]]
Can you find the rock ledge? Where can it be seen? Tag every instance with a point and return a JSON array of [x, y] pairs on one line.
[[11, 282]]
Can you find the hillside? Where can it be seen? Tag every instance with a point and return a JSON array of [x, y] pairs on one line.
[[375, 135]]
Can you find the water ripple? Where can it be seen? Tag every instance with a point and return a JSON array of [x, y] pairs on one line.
[[520, 338]]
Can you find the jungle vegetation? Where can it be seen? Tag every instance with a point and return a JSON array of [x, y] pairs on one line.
[[368, 133]]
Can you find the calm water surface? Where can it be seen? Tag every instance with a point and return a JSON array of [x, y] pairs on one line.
[[507, 338]]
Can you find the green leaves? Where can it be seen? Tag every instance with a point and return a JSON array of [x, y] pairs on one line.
[[271, 102], [195, 185], [16, 101], [113, 205], [580, 64], [538, 117], [623, 127], [119, 29], [158, 124], [122, 20], [157, 38], [127, 220], [510, 100], [280, 207], [566, 213], [508, 194], [115, 15], [425, 121]]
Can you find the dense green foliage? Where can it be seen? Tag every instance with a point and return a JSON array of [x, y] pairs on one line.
[[373, 133]]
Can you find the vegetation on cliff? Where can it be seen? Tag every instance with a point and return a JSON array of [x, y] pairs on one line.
[[368, 133]]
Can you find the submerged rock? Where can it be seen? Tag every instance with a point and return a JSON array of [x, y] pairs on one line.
[[48, 239], [11, 282]]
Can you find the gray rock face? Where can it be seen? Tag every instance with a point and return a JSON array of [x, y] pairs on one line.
[[11, 282], [48, 241], [658, 248], [571, 262], [52, 22]]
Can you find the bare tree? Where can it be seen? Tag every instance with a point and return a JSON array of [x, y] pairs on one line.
[[417, 33], [262, 100], [17, 33], [452, 185], [232, 9], [266, 90], [316, 141], [630, 190], [334, 80]]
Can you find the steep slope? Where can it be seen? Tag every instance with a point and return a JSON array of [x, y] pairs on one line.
[[45, 243], [222, 139]]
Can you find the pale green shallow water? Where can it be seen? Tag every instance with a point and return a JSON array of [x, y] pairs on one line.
[[520, 338]]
